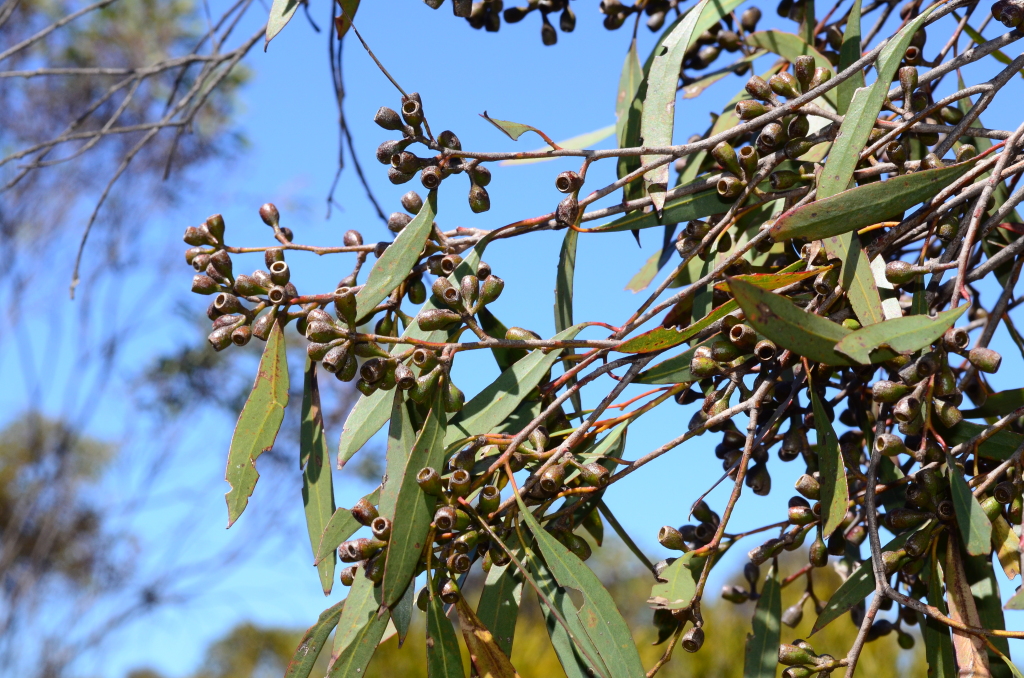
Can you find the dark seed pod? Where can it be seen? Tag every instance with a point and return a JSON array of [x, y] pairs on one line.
[[437, 319], [945, 510], [552, 478], [729, 187], [758, 88], [430, 482], [568, 182], [783, 180], [693, 639], [567, 211], [364, 512], [771, 137], [479, 200], [431, 177], [381, 528], [388, 119], [1005, 492], [749, 19], [791, 617], [548, 34]]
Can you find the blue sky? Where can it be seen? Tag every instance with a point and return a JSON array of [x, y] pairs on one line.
[[291, 121]]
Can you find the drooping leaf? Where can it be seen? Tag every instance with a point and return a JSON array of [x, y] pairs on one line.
[[858, 278], [401, 613], [865, 205], [971, 657], [398, 259], [835, 494], [604, 624], [863, 111], [981, 576], [998, 404], [401, 437], [902, 335], [258, 424], [497, 401], [564, 278], [513, 130], [488, 659], [340, 527], [849, 52], [1007, 546], [658, 117], [680, 585], [359, 630], [498, 608], [762, 651], [579, 142], [505, 357], [666, 337], [444, 658], [317, 484], [281, 12], [313, 641], [975, 527], [343, 21], [413, 509], [938, 646], [686, 208], [372, 412], [789, 46], [788, 326], [857, 586]]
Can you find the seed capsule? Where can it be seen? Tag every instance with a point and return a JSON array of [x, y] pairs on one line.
[[985, 359], [784, 84], [568, 182], [748, 109], [693, 639], [671, 538], [430, 482], [758, 88], [479, 199]]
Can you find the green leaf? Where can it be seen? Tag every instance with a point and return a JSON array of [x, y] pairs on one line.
[[514, 130], [340, 527], [858, 278], [401, 437], [604, 624], [658, 117], [662, 338], [505, 357], [680, 585], [938, 646], [344, 20], [998, 404], [675, 370], [999, 446], [572, 650], [975, 527], [579, 142], [902, 335], [629, 82], [444, 658], [398, 259], [686, 208], [1007, 545], [849, 52], [317, 484], [788, 326], [789, 46], [498, 608], [856, 588], [563, 299], [313, 641], [835, 494], [258, 424], [863, 111], [372, 412], [497, 401], [865, 205], [281, 13], [762, 652], [359, 630], [413, 509], [488, 659], [401, 613]]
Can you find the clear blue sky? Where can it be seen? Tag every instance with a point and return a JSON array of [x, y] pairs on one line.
[[290, 118]]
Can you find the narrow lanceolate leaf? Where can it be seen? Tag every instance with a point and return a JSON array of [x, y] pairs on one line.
[[975, 527], [675, 370], [999, 446], [680, 585], [902, 335], [513, 130], [858, 278], [359, 630], [258, 424], [971, 657], [372, 412], [998, 404], [576, 651], [444, 658], [981, 576], [762, 652], [563, 297], [661, 338], [686, 208], [401, 613], [281, 13], [789, 46], [401, 437], [504, 357], [313, 640], [938, 646], [317, 484], [581, 141], [629, 82], [497, 401], [343, 22], [340, 527], [604, 624], [1007, 546], [865, 205], [849, 52], [658, 116], [835, 495], [777, 318], [498, 608], [487, 658], [398, 259], [863, 111], [414, 508], [856, 588]]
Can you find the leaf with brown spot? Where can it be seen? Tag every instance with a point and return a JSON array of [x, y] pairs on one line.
[[488, 659], [970, 652]]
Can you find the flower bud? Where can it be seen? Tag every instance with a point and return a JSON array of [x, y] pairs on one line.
[[724, 154], [454, 399], [798, 147], [758, 88], [821, 76], [749, 19], [215, 226], [985, 359], [397, 221], [479, 199], [798, 127], [793, 655], [204, 284], [803, 69], [437, 319], [947, 412], [748, 109], [817, 554], [784, 84]]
